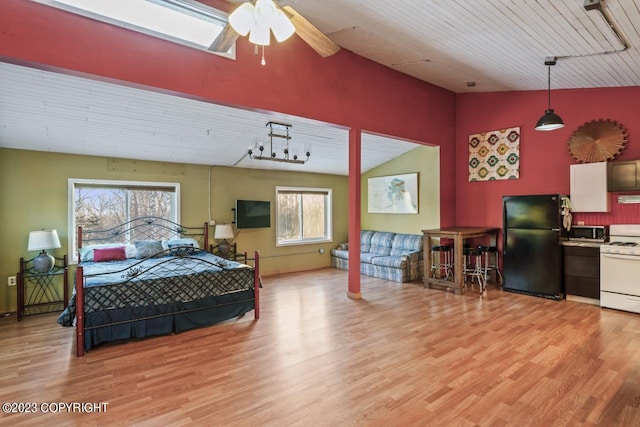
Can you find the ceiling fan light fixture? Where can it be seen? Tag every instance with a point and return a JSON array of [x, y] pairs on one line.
[[265, 10], [260, 34], [243, 19], [260, 20], [282, 27]]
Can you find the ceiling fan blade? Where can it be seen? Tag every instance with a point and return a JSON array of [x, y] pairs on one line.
[[225, 39], [310, 34]]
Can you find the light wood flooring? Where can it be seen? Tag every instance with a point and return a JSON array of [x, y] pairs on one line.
[[402, 356]]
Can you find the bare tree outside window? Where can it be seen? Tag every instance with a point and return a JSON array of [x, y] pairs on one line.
[[103, 207], [303, 215], [313, 216]]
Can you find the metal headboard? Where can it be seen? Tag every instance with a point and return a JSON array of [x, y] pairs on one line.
[[143, 228]]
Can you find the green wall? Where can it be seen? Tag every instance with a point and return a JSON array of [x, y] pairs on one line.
[[33, 195], [424, 160], [229, 184], [34, 185]]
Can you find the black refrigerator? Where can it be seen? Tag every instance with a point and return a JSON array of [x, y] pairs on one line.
[[532, 235]]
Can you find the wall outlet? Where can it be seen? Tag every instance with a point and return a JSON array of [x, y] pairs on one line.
[[321, 250], [11, 281]]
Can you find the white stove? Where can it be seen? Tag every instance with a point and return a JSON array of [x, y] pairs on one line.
[[620, 268]]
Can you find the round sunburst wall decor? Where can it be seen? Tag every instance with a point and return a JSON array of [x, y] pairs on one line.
[[597, 141]]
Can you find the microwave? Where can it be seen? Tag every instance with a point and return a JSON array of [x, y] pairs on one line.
[[589, 233]]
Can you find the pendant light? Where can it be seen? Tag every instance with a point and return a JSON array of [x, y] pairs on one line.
[[550, 120]]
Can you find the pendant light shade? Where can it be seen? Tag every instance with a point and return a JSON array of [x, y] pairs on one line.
[[550, 120]]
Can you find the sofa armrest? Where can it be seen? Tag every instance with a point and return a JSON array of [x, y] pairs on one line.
[[413, 257], [414, 264]]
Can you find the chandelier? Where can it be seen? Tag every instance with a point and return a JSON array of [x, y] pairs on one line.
[[287, 156]]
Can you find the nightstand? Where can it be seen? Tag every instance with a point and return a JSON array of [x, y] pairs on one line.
[[42, 292], [232, 255]]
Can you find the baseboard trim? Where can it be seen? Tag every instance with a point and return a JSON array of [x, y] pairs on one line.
[[584, 300]]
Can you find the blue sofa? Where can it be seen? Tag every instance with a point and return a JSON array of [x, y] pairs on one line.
[[391, 256]]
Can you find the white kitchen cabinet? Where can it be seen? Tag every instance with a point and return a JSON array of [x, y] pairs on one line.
[[589, 187]]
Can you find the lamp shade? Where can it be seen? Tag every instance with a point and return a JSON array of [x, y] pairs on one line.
[[223, 232], [549, 121], [43, 240]]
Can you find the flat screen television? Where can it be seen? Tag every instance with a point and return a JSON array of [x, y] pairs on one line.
[[253, 214]]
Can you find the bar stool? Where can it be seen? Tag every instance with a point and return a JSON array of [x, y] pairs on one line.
[[491, 262], [441, 261], [473, 268]]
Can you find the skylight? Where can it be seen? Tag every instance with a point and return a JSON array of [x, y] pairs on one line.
[[182, 21]]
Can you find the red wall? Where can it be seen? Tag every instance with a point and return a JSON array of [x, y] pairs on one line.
[[544, 156], [344, 89]]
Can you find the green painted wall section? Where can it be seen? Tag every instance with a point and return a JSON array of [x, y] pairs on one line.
[[33, 196], [229, 184], [425, 161], [34, 187]]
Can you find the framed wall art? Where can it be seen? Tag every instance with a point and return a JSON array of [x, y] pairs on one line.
[[495, 155], [393, 194]]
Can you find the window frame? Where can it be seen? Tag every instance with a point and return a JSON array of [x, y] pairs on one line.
[[71, 187], [194, 7], [328, 215]]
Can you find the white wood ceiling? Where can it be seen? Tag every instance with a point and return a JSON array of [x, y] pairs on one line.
[[500, 45], [45, 111]]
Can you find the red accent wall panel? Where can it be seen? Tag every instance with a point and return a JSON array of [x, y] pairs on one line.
[[544, 156], [345, 89]]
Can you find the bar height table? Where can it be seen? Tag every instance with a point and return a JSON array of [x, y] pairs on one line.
[[458, 235]]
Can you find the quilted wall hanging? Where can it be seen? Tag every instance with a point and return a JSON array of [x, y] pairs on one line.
[[494, 155]]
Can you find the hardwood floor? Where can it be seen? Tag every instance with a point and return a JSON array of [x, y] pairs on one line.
[[403, 355]]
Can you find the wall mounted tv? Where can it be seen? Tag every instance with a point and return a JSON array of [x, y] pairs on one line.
[[253, 214]]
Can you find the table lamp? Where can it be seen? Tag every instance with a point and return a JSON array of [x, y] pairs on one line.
[[43, 240], [224, 232]]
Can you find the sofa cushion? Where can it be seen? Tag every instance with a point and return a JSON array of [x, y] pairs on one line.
[[365, 240], [405, 243], [366, 258], [340, 253], [381, 243], [389, 261]]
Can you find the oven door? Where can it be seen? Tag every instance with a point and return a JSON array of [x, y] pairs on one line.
[[619, 285]]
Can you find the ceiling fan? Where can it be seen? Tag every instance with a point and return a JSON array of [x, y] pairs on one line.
[[303, 28]]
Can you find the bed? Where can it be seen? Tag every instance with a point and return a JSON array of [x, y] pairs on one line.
[[150, 277]]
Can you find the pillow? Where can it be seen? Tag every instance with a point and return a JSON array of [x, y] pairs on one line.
[[184, 242], [86, 252], [148, 248], [182, 250], [109, 254], [131, 251]]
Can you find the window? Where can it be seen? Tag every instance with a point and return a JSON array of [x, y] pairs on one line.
[[303, 215], [105, 204], [182, 21]]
